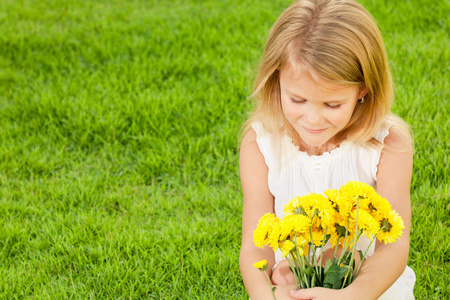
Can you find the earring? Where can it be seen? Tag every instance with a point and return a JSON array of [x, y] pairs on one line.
[[361, 100]]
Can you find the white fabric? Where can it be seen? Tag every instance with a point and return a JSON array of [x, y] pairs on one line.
[[295, 173]]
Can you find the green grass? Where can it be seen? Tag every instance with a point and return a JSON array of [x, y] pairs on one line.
[[119, 125]]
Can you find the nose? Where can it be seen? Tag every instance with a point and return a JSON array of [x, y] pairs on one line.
[[313, 115]]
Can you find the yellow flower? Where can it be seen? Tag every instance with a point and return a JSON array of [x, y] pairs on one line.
[[275, 235], [367, 223], [317, 236], [263, 230], [294, 225], [286, 247], [301, 250], [377, 207], [325, 211], [300, 205], [332, 196], [316, 207], [352, 191], [391, 227], [261, 265], [337, 233], [357, 189], [345, 205]]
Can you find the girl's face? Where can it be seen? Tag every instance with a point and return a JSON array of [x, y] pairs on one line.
[[317, 109]]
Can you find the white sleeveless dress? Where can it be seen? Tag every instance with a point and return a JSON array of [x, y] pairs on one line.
[[295, 173]]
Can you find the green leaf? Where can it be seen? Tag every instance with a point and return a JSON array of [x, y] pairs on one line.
[[347, 257], [308, 271], [313, 281], [335, 275], [361, 255], [329, 263]]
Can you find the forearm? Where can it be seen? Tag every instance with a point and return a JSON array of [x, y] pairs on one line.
[[255, 281], [380, 271]]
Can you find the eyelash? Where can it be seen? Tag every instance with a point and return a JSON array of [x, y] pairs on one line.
[[333, 106], [303, 101], [297, 101]]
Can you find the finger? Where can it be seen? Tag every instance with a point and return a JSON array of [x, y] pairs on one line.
[[301, 294]]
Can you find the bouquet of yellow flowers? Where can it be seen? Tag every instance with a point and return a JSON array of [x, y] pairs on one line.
[[338, 218]]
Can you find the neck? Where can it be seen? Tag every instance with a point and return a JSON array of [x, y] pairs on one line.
[[317, 150]]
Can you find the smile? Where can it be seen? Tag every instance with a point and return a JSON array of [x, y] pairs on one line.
[[314, 131]]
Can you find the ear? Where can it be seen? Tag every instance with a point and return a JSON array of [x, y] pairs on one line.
[[362, 93]]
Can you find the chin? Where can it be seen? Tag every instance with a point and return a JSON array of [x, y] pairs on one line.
[[314, 142]]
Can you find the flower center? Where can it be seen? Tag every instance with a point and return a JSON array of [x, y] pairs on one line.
[[372, 208], [385, 225], [300, 211], [340, 230]]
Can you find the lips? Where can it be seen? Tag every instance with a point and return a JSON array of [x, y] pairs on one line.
[[314, 131]]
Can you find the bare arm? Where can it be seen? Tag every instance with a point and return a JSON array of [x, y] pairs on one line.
[[394, 179], [388, 262], [257, 201]]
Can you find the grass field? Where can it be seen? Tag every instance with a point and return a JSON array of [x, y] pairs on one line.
[[119, 124]]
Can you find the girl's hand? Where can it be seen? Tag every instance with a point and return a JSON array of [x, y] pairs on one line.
[[318, 293], [282, 292]]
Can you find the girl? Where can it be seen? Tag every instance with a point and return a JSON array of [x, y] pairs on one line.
[[322, 118]]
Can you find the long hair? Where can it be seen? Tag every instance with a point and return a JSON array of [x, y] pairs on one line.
[[339, 41]]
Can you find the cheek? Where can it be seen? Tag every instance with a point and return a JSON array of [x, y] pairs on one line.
[[291, 113], [287, 109], [340, 118]]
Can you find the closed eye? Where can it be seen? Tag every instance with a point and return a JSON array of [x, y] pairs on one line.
[[333, 106], [297, 100]]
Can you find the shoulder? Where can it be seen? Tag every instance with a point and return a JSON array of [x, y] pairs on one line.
[[250, 152], [257, 141], [252, 162], [397, 153], [249, 138], [396, 134], [398, 140], [249, 144]]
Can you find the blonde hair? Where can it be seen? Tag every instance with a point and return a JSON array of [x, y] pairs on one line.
[[339, 41]]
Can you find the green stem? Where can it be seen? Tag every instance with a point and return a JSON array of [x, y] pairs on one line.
[[314, 261], [302, 263], [336, 247], [270, 284], [309, 252], [365, 253], [321, 251], [357, 234], [292, 264], [305, 279], [344, 246], [295, 263]]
